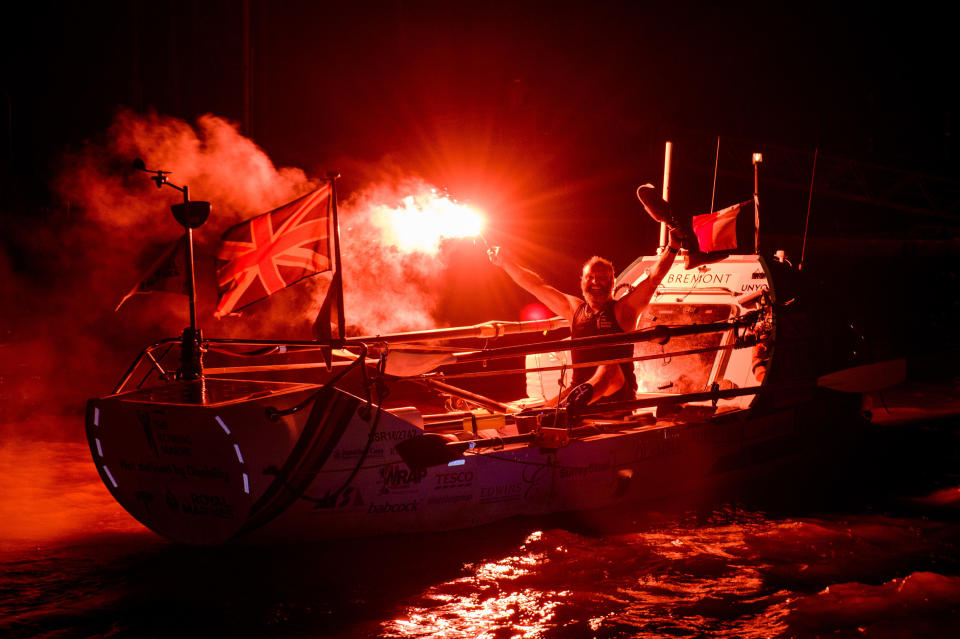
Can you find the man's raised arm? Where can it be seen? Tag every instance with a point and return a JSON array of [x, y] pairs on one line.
[[560, 303], [630, 306]]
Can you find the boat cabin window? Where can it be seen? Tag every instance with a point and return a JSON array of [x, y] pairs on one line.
[[683, 373]]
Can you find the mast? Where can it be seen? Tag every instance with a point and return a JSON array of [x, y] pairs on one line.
[[190, 215], [337, 264], [757, 159], [667, 153]]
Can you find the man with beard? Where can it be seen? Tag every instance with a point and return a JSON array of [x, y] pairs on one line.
[[597, 313]]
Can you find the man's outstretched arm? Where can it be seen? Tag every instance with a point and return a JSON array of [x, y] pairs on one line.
[[630, 306], [560, 303]]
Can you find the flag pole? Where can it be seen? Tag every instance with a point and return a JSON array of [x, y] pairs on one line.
[[668, 151], [190, 215], [338, 273], [806, 225], [191, 279], [757, 159], [716, 165]]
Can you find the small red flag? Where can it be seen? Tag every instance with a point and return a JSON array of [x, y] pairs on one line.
[[717, 231], [272, 251], [168, 274]]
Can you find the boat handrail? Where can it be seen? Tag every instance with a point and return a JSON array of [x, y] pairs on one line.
[[710, 290], [660, 333], [147, 352]]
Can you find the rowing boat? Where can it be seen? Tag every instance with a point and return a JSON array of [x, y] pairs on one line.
[[271, 439]]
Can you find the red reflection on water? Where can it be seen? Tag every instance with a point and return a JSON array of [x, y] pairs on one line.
[[671, 581], [484, 602], [52, 491]]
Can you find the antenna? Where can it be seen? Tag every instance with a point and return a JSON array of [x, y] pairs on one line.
[[806, 224], [757, 159], [667, 154], [190, 215], [716, 165]]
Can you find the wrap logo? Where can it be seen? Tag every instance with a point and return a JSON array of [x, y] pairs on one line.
[[397, 477]]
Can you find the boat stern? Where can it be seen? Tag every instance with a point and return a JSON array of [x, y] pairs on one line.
[[191, 459]]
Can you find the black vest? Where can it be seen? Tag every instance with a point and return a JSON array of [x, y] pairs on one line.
[[586, 323]]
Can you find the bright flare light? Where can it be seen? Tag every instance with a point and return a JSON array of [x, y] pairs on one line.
[[423, 220]]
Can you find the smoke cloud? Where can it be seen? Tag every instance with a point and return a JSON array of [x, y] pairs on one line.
[[387, 287], [63, 342]]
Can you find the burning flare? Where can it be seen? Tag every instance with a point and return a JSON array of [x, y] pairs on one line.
[[422, 220]]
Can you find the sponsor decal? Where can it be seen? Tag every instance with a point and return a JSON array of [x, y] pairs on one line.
[[459, 479], [532, 476], [204, 504], [389, 507], [394, 435], [208, 472], [176, 470], [503, 492], [398, 478], [349, 498], [583, 471], [160, 440], [144, 417], [697, 278], [175, 444], [355, 453], [450, 499]]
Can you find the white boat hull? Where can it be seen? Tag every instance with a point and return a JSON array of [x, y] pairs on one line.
[[205, 474]]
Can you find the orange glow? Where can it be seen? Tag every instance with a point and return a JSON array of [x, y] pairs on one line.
[[52, 492], [535, 311], [425, 218]]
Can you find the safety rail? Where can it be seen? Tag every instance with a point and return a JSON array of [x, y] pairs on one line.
[[344, 350]]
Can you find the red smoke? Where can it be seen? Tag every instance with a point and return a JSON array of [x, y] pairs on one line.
[[386, 288], [391, 285], [63, 342]]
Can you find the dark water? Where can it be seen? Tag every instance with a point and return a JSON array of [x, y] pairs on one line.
[[869, 550]]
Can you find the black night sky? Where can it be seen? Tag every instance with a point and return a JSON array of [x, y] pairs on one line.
[[549, 114]]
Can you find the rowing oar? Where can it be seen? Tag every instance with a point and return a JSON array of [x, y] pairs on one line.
[[859, 379], [866, 378], [486, 330], [432, 449], [412, 364]]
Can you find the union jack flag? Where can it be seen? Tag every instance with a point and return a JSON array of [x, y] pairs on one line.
[[274, 250]]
